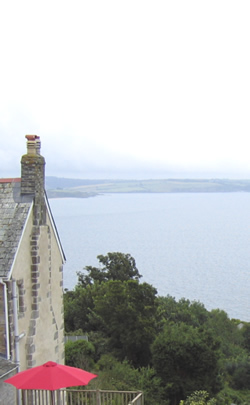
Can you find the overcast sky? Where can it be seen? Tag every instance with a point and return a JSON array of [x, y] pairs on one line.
[[127, 89]]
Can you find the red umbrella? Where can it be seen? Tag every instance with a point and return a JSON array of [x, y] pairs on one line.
[[50, 376]]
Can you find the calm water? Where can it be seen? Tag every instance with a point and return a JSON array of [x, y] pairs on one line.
[[187, 245]]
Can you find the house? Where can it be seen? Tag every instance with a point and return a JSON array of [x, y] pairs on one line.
[[31, 269]]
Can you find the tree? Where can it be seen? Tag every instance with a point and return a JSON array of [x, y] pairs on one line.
[[116, 266], [177, 346], [78, 305], [127, 311], [192, 313], [115, 308], [246, 336], [226, 330], [185, 358]]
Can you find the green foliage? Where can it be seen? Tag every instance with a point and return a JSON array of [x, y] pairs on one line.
[[127, 311], [115, 375], [191, 313], [199, 398], [228, 333], [229, 396], [100, 342], [239, 371], [169, 349], [79, 354], [116, 266], [185, 358], [116, 308], [246, 336], [151, 385], [233, 357], [77, 307]]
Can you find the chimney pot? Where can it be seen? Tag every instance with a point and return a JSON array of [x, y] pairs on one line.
[[31, 137], [33, 144]]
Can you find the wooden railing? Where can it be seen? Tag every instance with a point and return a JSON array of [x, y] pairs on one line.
[[138, 400], [82, 397]]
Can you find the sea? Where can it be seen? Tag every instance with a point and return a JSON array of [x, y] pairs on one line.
[[187, 245]]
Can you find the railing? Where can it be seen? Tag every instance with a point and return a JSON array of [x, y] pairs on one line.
[[81, 397], [138, 400]]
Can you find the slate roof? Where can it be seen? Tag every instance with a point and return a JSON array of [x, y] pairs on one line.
[[14, 210]]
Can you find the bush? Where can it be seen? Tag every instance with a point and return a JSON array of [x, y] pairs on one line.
[[79, 354], [199, 398]]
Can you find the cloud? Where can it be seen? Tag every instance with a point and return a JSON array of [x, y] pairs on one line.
[[128, 87]]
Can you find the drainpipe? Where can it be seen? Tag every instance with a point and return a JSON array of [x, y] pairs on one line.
[[17, 337], [15, 321], [6, 319]]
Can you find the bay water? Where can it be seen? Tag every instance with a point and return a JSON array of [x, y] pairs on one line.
[[191, 245]]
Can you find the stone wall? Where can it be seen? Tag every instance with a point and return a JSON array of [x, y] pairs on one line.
[[2, 322], [39, 276]]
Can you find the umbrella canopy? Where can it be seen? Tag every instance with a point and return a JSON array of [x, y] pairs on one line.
[[50, 376]]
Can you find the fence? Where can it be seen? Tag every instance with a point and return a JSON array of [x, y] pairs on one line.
[[75, 338], [82, 397]]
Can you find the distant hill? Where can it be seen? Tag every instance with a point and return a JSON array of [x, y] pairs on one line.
[[61, 182], [81, 188]]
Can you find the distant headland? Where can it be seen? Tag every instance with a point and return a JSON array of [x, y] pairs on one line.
[[58, 187]]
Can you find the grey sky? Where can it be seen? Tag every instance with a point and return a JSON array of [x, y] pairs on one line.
[[127, 89]]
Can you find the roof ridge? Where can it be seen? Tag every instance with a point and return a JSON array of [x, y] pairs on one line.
[[11, 180]]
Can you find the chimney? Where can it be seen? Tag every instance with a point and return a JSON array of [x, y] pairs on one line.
[[33, 168]]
